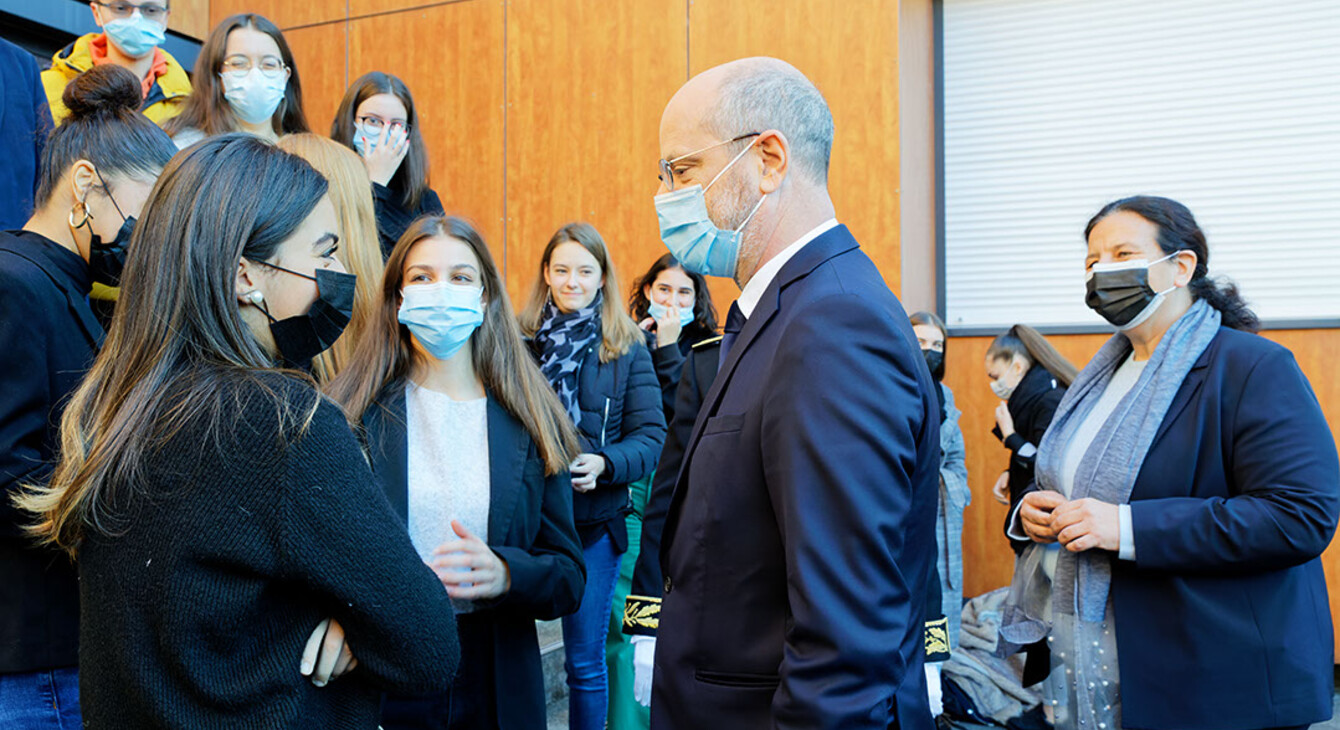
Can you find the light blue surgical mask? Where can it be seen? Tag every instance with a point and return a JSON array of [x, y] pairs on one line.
[[688, 231], [136, 36], [254, 96], [365, 140], [659, 311], [442, 316]]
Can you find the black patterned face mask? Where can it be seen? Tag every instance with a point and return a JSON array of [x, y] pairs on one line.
[[302, 337]]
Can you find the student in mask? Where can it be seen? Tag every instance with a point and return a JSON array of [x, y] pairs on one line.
[[245, 81], [1029, 377], [1184, 493], [132, 31], [674, 307], [377, 119], [594, 357], [98, 166], [472, 449], [359, 252], [954, 492], [235, 557]]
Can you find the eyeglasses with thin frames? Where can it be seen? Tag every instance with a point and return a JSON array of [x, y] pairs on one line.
[[242, 65], [667, 175], [150, 11]]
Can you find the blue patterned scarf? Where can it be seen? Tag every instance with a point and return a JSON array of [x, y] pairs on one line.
[[562, 340]]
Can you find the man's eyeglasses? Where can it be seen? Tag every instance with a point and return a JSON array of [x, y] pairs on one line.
[[119, 10], [242, 65], [667, 175]]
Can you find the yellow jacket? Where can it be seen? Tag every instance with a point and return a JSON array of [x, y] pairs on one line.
[[165, 96]]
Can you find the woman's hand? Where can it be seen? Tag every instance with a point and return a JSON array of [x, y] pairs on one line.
[[667, 327], [1004, 420], [327, 655], [468, 568], [384, 159], [586, 469], [1036, 514], [1001, 489], [1086, 524]]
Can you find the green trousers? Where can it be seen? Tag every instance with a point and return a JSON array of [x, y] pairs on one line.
[[625, 713]]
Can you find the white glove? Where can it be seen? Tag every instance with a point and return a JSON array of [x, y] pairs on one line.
[[644, 651], [934, 689]]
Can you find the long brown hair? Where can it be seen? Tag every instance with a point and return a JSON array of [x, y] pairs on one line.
[[207, 110], [1027, 343], [385, 355], [618, 331], [410, 181], [704, 311], [360, 249], [177, 341]]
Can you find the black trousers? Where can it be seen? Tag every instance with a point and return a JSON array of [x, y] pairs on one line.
[[470, 704]]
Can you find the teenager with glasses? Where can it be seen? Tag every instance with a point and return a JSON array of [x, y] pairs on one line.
[[131, 33], [377, 119], [245, 81]]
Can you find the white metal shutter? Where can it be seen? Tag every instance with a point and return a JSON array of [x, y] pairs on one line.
[[1054, 107]]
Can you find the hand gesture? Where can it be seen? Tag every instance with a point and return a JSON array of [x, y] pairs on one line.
[[468, 568], [1004, 420], [1001, 489], [385, 158], [586, 469], [1086, 524], [326, 655], [1035, 512]]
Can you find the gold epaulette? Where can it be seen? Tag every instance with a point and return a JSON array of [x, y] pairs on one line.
[[937, 640], [708, 341], [641, 615]]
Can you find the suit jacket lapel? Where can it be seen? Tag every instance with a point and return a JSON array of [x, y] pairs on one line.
[[388, 444], [1192, 385], [507, 459]]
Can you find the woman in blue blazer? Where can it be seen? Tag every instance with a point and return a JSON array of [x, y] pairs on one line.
[[1191, 484], [471, 448]]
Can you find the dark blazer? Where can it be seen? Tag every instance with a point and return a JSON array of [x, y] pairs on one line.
[[798, 544], [1032, 405], [48, 338], [25, 120], [530, 527], [621, 420], [642, 608], [669, 362]]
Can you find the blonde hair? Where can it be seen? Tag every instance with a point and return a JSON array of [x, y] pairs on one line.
[[359, 250], [618, 331]]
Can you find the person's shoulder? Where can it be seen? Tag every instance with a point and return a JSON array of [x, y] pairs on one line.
[[20, 275], [1239, 353]]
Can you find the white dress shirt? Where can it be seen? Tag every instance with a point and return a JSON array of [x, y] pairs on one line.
[[753, 290]]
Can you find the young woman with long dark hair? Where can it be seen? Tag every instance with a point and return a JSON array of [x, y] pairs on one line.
[[236, 563], [472, 448], [377, 118], [674, 307]]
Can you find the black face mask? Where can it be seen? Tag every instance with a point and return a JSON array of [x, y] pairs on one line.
[[935, 360], [1123, 296], [106, 261], [305, 336]]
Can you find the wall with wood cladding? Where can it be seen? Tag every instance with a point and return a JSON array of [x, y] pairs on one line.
[[541, 112]]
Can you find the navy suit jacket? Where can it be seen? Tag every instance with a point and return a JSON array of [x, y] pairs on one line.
[[1222, 619], [800, 534], [530, 527]]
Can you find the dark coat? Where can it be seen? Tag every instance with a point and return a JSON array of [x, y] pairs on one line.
[[530, 527], [25, 121], [798, 544], [669, 362], [1032, 405], [393, 218], [48, 339]]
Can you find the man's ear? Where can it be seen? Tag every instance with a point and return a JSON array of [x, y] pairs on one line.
[[774, 152]]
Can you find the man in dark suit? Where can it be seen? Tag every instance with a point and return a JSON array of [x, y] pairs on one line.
[[798, 541]]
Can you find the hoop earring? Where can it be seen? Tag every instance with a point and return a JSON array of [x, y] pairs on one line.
[[82, 207]]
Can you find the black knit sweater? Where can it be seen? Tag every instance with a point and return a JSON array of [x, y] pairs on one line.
[[232, 548]]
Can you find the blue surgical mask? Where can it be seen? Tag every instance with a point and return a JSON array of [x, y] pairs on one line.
[[659, 311], [136, 36], [693, 239], [365, 140], [254, 96], [442, 316]]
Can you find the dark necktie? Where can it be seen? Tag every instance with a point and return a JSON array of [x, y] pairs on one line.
[[734, 323]]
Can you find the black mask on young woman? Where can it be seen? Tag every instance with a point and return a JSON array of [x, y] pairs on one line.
[[106, 261], [935, 360], [302, 337]]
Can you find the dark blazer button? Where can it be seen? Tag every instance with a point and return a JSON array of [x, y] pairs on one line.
[[669, 584]]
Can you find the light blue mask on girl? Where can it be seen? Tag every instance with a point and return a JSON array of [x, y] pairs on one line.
[[136, 36], [253, 96], [693, 239], [442, 316], [657, 310]]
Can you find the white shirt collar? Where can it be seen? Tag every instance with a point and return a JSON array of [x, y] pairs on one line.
[[753, 291]]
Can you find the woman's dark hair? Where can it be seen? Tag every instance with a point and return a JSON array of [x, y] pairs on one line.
[[177, 339], [1027, 343], [411, 178], [704, 312], [207, 110], [1178, 231], [105, 127]]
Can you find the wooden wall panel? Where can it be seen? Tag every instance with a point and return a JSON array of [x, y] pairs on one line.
[[283, 13], [850, 51], [190, 17], [368, 7], [987, 559], [586, 83], [319, 53], [451, 56]]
